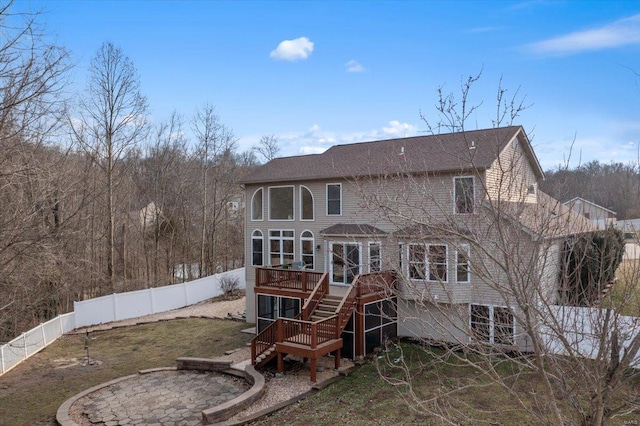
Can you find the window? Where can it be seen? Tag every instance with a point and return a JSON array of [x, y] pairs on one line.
[[480, 324], [306, 204], [437, 262], [271, 308], [375, 264], [492, 324], [532, 189], [256, 205], [281, 203], [428, 262], [503, 326], [280, 247], [417, 265], [257, 248], [345, 262], [463, 267], [334, 199], [306, 249], [464, 195]]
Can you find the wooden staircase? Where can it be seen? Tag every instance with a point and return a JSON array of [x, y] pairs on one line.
[[316, 330], [327, 307], [312, 334]]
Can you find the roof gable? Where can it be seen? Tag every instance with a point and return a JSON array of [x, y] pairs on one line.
[[451, 152]]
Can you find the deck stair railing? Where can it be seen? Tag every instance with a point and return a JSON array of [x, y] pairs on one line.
[[322, 317]]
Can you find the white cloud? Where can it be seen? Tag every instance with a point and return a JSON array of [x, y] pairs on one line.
[[293, 50], [354, 66], [619, 33], [397, 129], [316, 140]]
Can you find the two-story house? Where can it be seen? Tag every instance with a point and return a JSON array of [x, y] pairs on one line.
[[373, 240]]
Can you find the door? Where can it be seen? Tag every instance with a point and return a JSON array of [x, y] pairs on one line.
[[345, 262]]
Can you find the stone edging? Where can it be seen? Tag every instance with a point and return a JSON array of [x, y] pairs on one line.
[[210, 415], [230, 408], [62, 415]]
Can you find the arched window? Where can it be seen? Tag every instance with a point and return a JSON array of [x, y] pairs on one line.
[[256, 205], [306, 203], [307, 249], [257, 248]]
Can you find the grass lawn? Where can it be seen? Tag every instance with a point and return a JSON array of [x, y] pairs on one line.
[[31, 393]]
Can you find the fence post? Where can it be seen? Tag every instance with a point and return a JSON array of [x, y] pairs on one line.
[[44, 337], [153, 302], [24, 346], [115, 307]]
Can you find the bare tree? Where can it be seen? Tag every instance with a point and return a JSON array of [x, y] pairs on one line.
[[110, 121], [268, 147], [215, 144], [32, 77], [498, 313]]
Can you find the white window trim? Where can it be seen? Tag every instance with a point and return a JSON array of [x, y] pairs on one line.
[[428, 263], [313, 246], [330, 255], [492, 322], [341, 199], [466, 249], [313, 204], [261, 189], [293, 209], [254, 237], [281, 238], [408, 263], [473, 198], [369, 244]]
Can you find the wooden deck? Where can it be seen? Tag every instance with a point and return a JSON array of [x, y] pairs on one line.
[[305, 338]]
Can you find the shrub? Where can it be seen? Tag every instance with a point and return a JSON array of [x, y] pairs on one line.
[[229, 285]]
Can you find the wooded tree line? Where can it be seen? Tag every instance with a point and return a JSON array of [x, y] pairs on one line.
[[95, 198], [615, 186]]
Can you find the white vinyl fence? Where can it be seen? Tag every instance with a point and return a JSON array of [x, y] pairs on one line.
[[582, 329], [117, 306], [22, 347]]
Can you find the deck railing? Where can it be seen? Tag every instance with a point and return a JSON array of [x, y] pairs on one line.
[[308, 333], [287, 279], [313, 333], [376, 282], [264, 340], [318, 293]]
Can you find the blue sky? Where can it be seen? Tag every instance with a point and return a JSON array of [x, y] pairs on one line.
[[321, 73]]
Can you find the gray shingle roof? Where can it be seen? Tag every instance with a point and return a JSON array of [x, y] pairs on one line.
[[451, 152], [352, 229]]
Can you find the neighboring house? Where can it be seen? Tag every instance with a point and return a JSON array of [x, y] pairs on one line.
[[347, 248], [599, 215], [631, 230]]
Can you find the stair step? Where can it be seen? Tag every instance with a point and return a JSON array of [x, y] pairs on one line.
[[325, 312]]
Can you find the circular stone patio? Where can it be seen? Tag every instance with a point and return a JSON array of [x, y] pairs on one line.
[[167, 397]]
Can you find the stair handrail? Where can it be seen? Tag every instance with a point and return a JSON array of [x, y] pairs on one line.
[[347, 305], [318, 293], [263, 337]]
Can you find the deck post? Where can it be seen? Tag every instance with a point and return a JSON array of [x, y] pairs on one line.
[[337, 358], [314, 335], [313, 367], [280, 363]]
